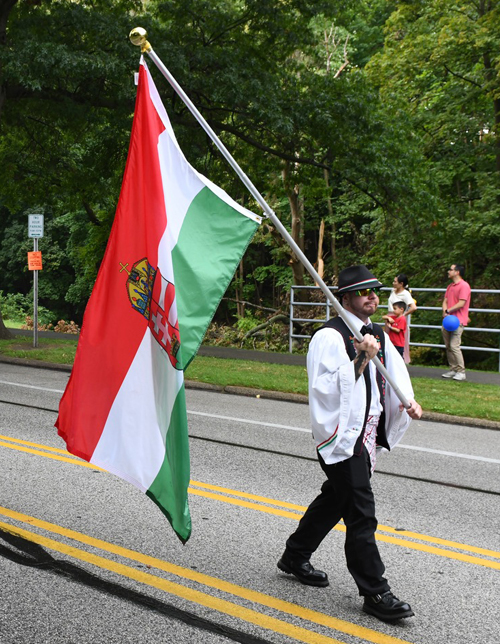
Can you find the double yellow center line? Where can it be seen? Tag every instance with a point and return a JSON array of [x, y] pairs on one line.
[[423, 547], [316, 619], [406, 538], [227, 607]]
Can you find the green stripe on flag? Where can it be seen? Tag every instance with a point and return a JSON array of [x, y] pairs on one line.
[[211, 243], [169, 489]]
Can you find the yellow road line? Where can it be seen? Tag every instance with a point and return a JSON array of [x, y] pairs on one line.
[[30, 444], [292, 515], [246, 495], [54, 457], [212, 582], [245, 504], [441, 542], [383, 528], [195, 596], [380, 537]]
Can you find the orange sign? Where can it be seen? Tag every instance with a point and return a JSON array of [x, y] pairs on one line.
[[35, 260]]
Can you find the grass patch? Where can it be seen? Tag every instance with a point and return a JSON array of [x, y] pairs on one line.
[[13, 324], [448, 397], [442, 396], [248, 373], [437, 395], [55, 350]]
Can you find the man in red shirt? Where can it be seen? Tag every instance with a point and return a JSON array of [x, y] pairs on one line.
[[456, 302], [396, 326]]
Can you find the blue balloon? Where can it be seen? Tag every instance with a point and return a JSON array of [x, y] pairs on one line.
[[451, 323]]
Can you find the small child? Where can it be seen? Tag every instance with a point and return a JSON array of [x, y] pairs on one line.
[[396, 326]]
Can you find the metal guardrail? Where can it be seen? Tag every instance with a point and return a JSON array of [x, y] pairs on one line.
[[294, 303]]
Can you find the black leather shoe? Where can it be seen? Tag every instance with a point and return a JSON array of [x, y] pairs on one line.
[[304, 572], [387, 607]]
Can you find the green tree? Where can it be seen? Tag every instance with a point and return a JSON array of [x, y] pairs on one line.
[[441, 65], [372, 122], [66, 99]]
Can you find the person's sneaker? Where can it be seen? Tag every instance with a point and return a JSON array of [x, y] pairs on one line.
[[449, 374], [387, 607], [460, 375]]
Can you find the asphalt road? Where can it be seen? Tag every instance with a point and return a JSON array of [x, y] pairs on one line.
[[85, 557]]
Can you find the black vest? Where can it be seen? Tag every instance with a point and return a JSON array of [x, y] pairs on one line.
[[339, 325]]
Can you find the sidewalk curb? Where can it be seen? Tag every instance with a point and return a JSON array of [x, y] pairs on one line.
[[36, 364], [482, 423]]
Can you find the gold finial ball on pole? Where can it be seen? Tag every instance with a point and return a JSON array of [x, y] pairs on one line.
[[138, 36]]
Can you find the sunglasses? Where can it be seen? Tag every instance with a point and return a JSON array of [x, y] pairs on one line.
[[367, 291]]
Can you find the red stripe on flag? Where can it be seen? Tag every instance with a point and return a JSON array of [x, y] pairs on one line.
[[112, 329]]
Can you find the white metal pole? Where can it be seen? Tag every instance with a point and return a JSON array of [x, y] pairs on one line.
[[35, 299], [138, 37]]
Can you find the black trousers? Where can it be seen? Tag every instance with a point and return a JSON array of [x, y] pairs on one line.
[[346, 494]]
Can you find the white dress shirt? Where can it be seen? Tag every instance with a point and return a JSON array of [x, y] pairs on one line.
[[337, 401]]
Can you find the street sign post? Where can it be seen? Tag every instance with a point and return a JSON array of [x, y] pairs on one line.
[[35, 231]]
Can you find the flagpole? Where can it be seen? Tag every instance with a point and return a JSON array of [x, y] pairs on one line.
[[138, 36]]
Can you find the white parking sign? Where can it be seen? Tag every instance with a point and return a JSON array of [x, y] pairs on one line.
[[35, 226]]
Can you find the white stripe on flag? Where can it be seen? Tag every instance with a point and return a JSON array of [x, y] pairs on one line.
[[132, 444]]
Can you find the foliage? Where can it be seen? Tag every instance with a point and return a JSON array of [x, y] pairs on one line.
[[67, 327], [247, 323], [19, 308], [379, 119], [65, 106], [441, 64], [13, 306], [61, 327], [29, 325], [273, 338], [57, 275]]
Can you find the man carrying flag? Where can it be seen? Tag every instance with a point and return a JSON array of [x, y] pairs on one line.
[[175, 244]]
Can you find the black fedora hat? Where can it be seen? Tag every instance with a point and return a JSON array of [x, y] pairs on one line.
[[356, 277]]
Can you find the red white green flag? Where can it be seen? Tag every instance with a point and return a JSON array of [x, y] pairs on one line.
[[175, 244]]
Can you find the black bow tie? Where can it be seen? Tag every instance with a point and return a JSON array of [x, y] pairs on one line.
[[366, 329]]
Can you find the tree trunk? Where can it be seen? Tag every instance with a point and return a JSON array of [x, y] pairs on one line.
[[319, 262], [296, 210], [5, 334], [240, 305], [326, 174]]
